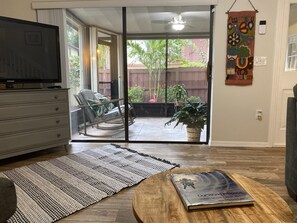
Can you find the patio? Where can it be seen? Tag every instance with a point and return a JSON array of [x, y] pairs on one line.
[[144, 129]]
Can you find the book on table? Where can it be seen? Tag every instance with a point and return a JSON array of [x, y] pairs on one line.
[[209, 189]]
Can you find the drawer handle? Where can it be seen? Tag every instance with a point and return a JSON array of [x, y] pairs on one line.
[[56, 97], [58, 135], [57, 121], [57, 108]]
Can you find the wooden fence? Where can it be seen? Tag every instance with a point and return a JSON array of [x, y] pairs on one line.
[[194, 79]]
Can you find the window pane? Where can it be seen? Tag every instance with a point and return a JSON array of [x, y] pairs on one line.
[[74, 59], [291, 63]]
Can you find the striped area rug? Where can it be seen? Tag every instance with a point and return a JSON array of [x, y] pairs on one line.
[[50, 190]]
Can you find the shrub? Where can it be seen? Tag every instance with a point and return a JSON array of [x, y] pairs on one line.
[[136, 94], [74, 71], [180, 92], [194, 99], [170, 94]]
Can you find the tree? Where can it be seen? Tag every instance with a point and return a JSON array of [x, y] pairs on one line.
[[72, 34], [73, 56], [74, 71], [152, 54]]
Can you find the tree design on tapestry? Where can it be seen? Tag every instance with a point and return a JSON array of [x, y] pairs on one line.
[[240, 48]]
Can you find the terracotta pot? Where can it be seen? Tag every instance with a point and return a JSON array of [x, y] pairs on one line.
[[193, 134]]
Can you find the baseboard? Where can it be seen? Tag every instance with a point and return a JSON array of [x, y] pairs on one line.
[[279, 145], [238, 144]]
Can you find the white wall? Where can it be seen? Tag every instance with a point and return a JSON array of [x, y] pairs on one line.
[[234, 107], [17, 8]]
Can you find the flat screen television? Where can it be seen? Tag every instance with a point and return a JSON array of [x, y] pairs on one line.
[[29, 52]]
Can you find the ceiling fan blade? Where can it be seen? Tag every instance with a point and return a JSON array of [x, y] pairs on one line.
[[160, 21], [195, 14]]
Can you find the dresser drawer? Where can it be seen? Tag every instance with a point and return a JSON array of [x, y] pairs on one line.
[[22, 111], [35, 123], [24, 97], [32, 120], [16, 142]]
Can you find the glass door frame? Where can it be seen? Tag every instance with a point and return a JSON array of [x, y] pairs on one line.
[[113, 64], [125, 87], [125, 80]]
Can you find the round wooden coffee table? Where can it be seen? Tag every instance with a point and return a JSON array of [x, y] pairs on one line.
[[156, 200]]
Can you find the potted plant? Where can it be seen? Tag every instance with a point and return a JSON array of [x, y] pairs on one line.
[[180, 93], [194, 116]]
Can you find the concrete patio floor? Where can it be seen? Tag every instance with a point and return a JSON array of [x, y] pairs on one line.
[[144, 129]]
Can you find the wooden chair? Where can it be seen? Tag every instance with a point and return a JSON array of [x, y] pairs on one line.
[[97, 110]]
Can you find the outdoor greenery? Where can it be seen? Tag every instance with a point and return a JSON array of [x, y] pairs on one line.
[[193, 99], [180, 93], [170, 94], [74, 71], [151, 53], [72, 36], [193, 64], [193, 115], [74, 59], [136, 94]]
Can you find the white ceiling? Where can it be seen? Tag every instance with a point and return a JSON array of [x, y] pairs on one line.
[[146, 19]]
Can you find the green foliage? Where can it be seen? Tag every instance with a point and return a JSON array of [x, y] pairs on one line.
[[152, 54], [170, 94], [136, 94], [72, 35], [180, 92], [193, 64], [74, 60], [193, 99], [193, 115], [74, 71]]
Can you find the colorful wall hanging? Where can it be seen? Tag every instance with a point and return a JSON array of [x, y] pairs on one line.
[[240, 47]]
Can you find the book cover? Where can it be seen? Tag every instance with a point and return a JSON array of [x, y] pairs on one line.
[[209, 189]]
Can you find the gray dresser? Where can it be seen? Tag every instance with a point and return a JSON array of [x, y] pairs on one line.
[[32, 120]]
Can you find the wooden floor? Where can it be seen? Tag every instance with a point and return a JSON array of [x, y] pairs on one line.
[[265, 165]]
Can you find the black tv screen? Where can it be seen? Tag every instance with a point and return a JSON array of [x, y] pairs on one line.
[[29, 52]]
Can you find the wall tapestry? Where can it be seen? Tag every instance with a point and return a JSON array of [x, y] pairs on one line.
[[240, 47]]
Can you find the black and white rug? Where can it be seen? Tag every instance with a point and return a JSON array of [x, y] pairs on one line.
[[50, 190]]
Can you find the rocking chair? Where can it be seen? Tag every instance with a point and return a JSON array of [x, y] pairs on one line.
[[98, 109]]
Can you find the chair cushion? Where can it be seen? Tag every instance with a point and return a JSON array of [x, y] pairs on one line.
[[99, 107], [96, 106]]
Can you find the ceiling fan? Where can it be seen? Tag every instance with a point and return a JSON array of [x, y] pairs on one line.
[[177, 23]]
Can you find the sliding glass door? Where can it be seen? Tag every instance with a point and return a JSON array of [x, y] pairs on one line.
[[101, 116], [167, 70], [152, 58]]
